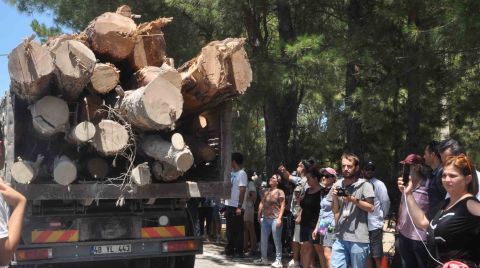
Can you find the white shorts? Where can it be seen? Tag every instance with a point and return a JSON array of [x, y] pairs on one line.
[[296, 233]]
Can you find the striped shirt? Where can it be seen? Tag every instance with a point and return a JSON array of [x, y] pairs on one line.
[[405, 225]]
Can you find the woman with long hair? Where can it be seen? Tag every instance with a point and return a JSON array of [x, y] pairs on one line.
[[270, 214], [454, 232], [326, 222], [309, 216]]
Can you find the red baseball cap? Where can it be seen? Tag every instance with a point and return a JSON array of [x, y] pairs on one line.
[[329, 170], [412, 159]]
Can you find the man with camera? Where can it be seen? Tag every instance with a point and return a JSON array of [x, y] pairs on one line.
[[352, 201]]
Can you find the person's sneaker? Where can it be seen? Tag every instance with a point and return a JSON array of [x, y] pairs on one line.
[[277, 264], [261, 261], [293, 264]]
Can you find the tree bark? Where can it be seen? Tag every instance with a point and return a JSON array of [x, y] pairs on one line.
[[155, 106], [111, 36], [110, 137], [165, 172], [92, 109], [64, 170], [219, 72], [150, 47], [75, 63], [32, 71], [104, 78], [49, 116], [141, 175], [148, 74], [26, 171], [174, 153]]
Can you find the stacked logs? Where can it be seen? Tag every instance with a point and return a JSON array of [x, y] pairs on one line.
[[111, 89]]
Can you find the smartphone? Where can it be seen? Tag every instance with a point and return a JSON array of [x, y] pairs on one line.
[[406, 174]]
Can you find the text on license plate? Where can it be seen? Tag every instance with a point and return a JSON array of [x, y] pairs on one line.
[[111, 249]]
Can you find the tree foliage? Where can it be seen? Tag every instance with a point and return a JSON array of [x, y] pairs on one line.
[[378, 77]]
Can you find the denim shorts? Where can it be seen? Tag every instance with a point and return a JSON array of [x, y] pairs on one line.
[[327, 239]]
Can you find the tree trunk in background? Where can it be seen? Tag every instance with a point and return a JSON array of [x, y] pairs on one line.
[[413, 113], [352, 109], [354, 133], [280, 113]]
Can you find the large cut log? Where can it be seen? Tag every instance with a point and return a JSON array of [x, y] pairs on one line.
[[219, 72], [105, 77], [26, 171], [148, 74], [150, 45], [64, 170], [141, 174], [75, 63], [97, 167], [49, 116], [165, 172], [82, 132], [32, 72], [111, 36], [110, 137], [175, 153], [155, 106], [54, 42]]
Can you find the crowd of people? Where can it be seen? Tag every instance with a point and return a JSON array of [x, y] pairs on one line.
[[322, 218]]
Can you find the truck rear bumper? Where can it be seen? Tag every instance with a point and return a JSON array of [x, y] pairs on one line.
[[86, 251]]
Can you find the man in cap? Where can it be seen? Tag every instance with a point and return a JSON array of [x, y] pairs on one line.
[[381, 208], [410, 245]]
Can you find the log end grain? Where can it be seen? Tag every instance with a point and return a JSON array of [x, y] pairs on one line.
[[22, 172]]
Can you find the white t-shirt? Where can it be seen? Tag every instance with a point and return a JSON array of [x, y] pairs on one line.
[[238, 178], [250, 188], [4, 212]]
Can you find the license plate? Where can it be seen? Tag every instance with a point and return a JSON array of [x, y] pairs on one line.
[[111, 249]]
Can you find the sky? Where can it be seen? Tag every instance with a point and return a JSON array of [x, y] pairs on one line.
[[15, 26]]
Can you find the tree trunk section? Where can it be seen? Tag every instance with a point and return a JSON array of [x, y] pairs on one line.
[[141, 175], [148, 74], [26, 171], [97, 167], [32, 71], [152, 107], [172, 153], [104, 79], [150, 45], [49, 116], [75, 63], [82, 132], [352, 111], [219, 72], [112, 36], [110, 137], [165, 172], [64, 170], [280, 112]]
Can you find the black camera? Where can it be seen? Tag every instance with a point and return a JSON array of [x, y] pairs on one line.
[[342, 191]]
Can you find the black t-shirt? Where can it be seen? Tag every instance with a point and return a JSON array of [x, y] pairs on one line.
[[310, 205], [454, 234]]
